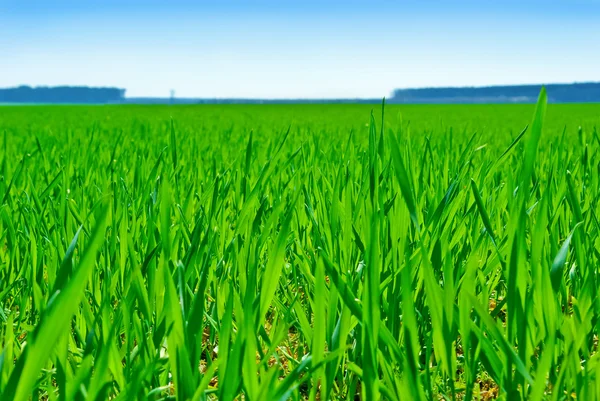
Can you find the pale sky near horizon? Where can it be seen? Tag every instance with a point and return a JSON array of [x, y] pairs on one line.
[[296, 49]]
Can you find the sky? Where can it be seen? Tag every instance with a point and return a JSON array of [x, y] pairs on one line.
[[296, 49]]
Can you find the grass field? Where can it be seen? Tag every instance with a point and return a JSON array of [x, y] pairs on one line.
[[300, 252]]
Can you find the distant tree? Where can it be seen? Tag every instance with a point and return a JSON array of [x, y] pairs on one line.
[[557, 93], [61, 94]]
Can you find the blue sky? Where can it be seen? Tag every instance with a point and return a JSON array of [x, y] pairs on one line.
[[303, 49]]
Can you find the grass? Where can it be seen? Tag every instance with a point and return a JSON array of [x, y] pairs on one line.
[[299, 252]]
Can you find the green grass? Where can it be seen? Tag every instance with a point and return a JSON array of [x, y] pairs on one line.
[[299, 252]]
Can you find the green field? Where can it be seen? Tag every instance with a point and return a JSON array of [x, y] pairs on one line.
[[307, 252]]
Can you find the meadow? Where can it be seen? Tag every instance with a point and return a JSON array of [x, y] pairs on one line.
[[300, 252]]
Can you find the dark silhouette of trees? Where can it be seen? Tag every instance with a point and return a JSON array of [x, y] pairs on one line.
[[61, 94], [557, 93]]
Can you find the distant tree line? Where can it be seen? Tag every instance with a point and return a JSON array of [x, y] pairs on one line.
[[61, 94], [557, 93]]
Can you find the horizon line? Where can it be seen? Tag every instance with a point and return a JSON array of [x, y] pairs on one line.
[[358, 98]]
